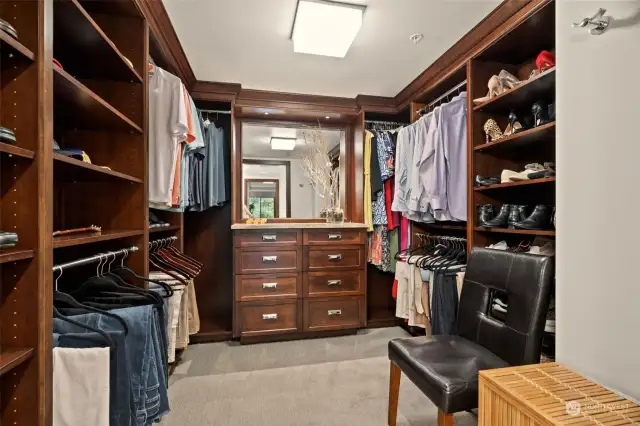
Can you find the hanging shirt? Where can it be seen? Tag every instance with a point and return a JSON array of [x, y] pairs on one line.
[[167, 128], [454, 134], [368, 215], [404, 150]]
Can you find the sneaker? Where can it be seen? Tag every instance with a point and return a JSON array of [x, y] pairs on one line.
[[550, 323], [500, 303], [502, 245], [499, 308], [511, 176]]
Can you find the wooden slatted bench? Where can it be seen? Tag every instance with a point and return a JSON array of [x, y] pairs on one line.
[[549, 394]]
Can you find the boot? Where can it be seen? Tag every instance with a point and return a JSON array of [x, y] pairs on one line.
[[485, 212], [539, 219], [518, 213], [499, 221]]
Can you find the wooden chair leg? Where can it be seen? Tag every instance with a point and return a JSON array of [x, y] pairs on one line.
[[445, 419], [394, 393]]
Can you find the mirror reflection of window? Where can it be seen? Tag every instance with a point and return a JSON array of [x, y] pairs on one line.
[[276, 154], [262, 198]]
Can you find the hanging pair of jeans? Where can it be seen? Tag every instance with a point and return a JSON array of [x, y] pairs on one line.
[[145, 357]]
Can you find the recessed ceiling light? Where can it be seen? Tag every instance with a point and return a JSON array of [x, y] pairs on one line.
[[326, 28], [327, 117], [266, 113], [416, 38], [283, 144]]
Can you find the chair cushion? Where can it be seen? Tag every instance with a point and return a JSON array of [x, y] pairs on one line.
[[445, 368]]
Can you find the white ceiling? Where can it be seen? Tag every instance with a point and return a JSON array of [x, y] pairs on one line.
[[256, 141], [247, 42]]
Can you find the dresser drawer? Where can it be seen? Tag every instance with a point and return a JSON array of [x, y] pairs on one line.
[[267, 286], [268, 318], [313, 237], [333, 313], [342, 283], [326, 258], [267, 260], [273, 237]]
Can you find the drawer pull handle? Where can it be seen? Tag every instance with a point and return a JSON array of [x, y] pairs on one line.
[[269, 285], [333, 312], [335, 257], [269, 317], [334, 282], [269, 259], [269, 237], [335, 236]]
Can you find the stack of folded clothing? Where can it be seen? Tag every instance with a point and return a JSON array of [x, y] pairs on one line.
[[8, 239], [7, 136], [8, 28]]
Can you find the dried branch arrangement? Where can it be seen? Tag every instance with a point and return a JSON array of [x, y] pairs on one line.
[[316, 165]]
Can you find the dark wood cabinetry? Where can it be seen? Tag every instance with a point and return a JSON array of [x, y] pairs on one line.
[[297, 281]]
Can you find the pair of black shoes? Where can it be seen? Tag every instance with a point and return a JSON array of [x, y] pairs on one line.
[[514, 216]]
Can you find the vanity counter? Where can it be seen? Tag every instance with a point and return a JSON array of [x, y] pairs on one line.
[[309, 225]]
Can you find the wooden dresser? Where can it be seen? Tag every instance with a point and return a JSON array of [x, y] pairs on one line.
[[297, 279]]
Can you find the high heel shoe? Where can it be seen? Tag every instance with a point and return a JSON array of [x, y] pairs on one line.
[[508, 80], [495, 88], [539, 114], [514, 125], [492, 130]]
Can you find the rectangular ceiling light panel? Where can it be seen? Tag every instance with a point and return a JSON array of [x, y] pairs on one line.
[[283, 144], [326, 28]]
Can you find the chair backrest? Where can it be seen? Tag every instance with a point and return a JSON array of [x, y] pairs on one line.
[[526, 279]]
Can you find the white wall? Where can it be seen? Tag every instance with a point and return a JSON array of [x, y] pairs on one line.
[[301, 197], [598, 160], [259, 171]]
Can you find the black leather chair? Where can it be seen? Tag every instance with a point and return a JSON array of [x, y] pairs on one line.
[[446, 368]]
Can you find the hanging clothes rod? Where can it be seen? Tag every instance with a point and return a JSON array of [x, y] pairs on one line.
[[457, 87], [214, 111], [95, 258]]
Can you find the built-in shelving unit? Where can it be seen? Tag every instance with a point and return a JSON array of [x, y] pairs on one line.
[[94, 102]]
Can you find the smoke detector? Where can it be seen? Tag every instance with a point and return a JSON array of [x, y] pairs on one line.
[[416, 38]]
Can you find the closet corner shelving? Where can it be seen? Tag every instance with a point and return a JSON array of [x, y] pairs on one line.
[[95, 103]]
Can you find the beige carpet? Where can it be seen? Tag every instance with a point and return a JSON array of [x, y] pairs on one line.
[[335, 393]]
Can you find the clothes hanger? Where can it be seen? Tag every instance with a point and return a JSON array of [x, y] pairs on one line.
[[125, 270], [159, 259], [67, 299], [170, 258]]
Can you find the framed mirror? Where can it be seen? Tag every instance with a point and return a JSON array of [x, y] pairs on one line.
[[291, 171]]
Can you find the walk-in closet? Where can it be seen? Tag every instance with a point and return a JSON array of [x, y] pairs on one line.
[[313, 212]]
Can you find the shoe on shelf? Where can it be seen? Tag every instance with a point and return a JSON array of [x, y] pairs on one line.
[[513, 176], [502, 245], [8, 239], [514, 125], [508, 80], [539, 111], [499, 308], [517, 214], [500, 303], [486, 181], [548, 249], [496, 88], [545, 61], [500, 221], [486, 212], [538, 220], [492, 130]]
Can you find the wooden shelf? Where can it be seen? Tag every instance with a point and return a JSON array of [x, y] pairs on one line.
[[524, 95], [84, 109], [514, 184], [10, 358], [14, 46], [9, 149], [70, 169], [536, 135], [12, 255], [164, 228], [81, 46], [93, 237], [516, 231]]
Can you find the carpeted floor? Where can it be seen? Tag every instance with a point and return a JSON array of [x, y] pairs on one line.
[[341, 381]]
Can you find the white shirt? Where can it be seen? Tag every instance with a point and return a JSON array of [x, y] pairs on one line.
[[167, 128]]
